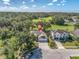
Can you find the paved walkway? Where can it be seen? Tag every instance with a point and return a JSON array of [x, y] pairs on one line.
[[59, 45]]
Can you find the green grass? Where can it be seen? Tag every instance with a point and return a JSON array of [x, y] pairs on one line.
[[1, 43], [43, 19], [71, 44], [35, 28], [75, 57], [67, 28]]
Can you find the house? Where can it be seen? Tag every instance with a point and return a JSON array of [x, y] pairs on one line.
[[59, 34], [42, 37], [74, 19]]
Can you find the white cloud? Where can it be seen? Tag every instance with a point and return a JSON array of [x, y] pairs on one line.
[[54, 0], [24, 7], [23, 2], [50, 4], [63, 4], [63, 1], [32, 0], [33, 5], [8, 8], [6, 2], [14, 9], [58, 4], [43, 6]]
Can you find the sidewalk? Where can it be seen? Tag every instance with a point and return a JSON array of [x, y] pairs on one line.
[[59, 45]]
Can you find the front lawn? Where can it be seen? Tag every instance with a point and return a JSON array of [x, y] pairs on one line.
[[75, 57], [71, 44]]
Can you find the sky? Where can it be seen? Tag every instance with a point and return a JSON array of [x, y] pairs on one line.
[[39, 5]]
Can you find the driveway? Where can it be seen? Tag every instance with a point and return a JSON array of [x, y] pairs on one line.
[[55, 54], [44, 46]]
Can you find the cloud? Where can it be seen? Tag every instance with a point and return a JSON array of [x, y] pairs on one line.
[[50, 4], [43, 6], [8, 8], [58, 4], [63, 4], [14, 9], [24, 7], [63, 1], [33, 5], [32, 0], [54, 0], [6, 2], [23, 2]]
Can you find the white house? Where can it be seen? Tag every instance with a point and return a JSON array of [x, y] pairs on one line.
[[57, 35], [42, 37]]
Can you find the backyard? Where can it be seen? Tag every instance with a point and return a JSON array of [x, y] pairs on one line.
[[45, 19], [68, 27]]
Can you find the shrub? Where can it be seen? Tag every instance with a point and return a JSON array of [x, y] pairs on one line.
[[51, 43]]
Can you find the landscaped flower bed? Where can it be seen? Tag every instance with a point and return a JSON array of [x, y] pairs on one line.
[[51, 43]]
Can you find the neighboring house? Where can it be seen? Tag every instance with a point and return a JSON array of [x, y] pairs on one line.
[[57, 35], [66, 20], [74, 19], [76, 32]]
